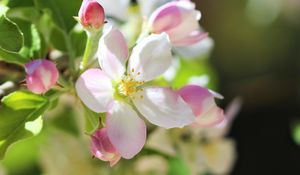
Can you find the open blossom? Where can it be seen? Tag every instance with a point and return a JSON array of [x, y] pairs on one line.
[[91, 14], [120, 91], [179, 19], [202, 102], [102, 147], [41, 75]]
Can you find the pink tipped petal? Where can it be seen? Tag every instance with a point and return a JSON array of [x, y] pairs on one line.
[[49, 73], [197, 97], [113, 53], [35, 84], [32, 66], [95, 90], [126, 130], [164, 107], [165, 18], [150, 58], [102, 148], [41, 75], [179, 20], [212, 117], [201, 101], [191, 39]]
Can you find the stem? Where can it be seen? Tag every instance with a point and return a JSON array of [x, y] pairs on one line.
[[90, 49]]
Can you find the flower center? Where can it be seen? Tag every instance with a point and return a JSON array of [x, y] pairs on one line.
[[129, 86]]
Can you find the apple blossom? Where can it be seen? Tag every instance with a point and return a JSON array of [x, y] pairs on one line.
[[91, 14], [121, 91], [179, 19], [201, 100], [102, 148], [41, 75]]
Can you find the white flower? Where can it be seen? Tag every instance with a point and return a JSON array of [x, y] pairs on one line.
[[121, 91]]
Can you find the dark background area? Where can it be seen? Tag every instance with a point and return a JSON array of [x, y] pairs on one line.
[[260, 63]]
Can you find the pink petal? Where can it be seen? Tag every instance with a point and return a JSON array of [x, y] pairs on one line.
[[164, 107], [95, 90], [192, 38], [113, 53], [102, 148], [150, 58], [178, 19], [201, 100], [165, 18], [126, 130]]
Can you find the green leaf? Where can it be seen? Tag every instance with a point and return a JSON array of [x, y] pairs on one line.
[[30, 14], [92, 120], [62, 12], [58, 39], [34, 44], [16, 111], [78, 39], [20, 3], [22, 100], [12, 57], [10, 34], [177, 166]]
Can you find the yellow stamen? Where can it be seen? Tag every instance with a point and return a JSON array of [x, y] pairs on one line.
[[128, 86]]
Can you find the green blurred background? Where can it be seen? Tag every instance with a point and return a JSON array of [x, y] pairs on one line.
[[257, 57]]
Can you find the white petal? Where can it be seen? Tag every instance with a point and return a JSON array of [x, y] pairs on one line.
[[164, 107], [113, 53], [126, 130], [202, 48], [148, 6], [116, 8], [95, 90], [151, 57]]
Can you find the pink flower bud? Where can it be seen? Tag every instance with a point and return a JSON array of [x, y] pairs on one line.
[[179, 19], [201, 100], [91, 14], [41, 75], [103, 149]]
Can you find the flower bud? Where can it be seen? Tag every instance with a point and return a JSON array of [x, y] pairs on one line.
[[91, 14], [201, 100], [179, 19], [103, 149], [41, 75]]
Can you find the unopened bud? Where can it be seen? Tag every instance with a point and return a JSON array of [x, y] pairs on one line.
[[103, 149], [41, 75], [91, 14]]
